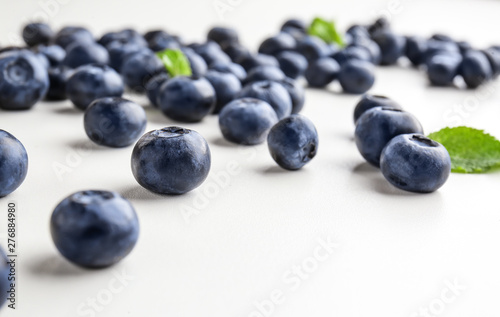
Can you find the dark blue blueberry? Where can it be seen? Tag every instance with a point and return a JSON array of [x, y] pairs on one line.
[[443, 68], [358, 31], [464, 46], [232, 68], [226, 86], [70, 34], [119, 52], [377, 126], [374, 52], [350, 53], [13, 163], [293, 142], [127, 36], [54, 53], [91, 82], [198, 65], [475, 69], [171, 160], [162, 42], [150, 35], [312, 48], [322, 72], [78, 54], [297, 34], [392, 46], [435, 47], [493, 56], [380, 25], [37, 33], [271, 92], [356, 77], [254, 60], [292, 64], [247, 121], [415, 50], [264, 73], [114, 121], [187, 99], [236, 51], [277, 44], [415, 163], [23, 80], [297, 93], [4, 277], [297, 24], [44, 61], [153, 87], [442, 37], [368, 102], [211, 53], [94, 228], [223, 36], [138, 68], [58, 76]]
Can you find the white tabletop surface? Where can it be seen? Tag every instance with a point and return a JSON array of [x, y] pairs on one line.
[[254, 243]]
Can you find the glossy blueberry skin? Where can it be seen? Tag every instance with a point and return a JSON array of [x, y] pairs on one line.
[[187, 99], [13, 163], [4, 277], [260, 73], [23, 80], [368, 102], [356, 77], [94, 229], [58, 76], [54, 54], [296, 92], [226, 86], [350, 53], [90, 82], [198, 65], [232, 68], [114, 122], [138, 68], [377, 126], [153, 87], [126, 36], [443, 68], [293, 142], [119, 52], [37, 33], [312, 48], [171, 160], [247, 121], [82, 54], [415, 49], [254, 60], [292, 64], [271, 92], [223, 36], [70, 34], [236, 51], [211, 53], [277, 44], [415, 163], [321, 72], [475, 69], [392, 46]]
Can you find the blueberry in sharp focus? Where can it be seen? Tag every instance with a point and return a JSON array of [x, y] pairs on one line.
[[368, 102], [293, 142], [271, 92], [54, 53], [171, 160], [90, 82], [153, 87], [247, 121], [292, 64], [4, 277], [223, 36], [296, 92], [312, 48], [232, 68], [58, 76], [78, 54], [94, 228], [226, 86], [37, 33], [23, 80], [13, 163], [475, 69], [322, 72], [254, 60], [356, 76], [187, 99], [415, 163], [377, 126], [138, 68], [70, 34], [392, 46], [443, 68], [260, 73], [277, 44]]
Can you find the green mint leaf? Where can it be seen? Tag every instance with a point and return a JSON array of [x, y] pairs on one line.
[[471, 150], [176, 63], [326, 31]]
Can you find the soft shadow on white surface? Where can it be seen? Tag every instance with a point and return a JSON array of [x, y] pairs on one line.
[[155, 116], [87, 145], [69, 111], [140, 193], [55, 265], [278, 170], [220, 141]]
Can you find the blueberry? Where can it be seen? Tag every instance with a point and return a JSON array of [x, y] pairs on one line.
[[322, 72], [232, 68], [295, 24], [198, 65], [442, 37], [271, 92], [475, 69], [70, 34], [435, 47], [94, 228], [415, 163], [37, 33], [13, 163], [372, 48], [187, 99], [356, 77], [153, 87], [277, 44], [171, 160], [368, 102], [415, 50], [211, 53], [350, 53], [293, 142], [91, 82], [226, 86], [380, 25], [236, 51], [297, 34], [312, 48], [493, 56], [443, 68], [4, 277], [463, 46], [223, 36], [119, 52], [296, 92], [254, 60], [292, 64], [163, 41], [247, 121], [138, 68], [23, 80], [58, 76], [127, 36], [358, 31], [377, 126], [260, 73], [392, 46], [82, 54], [54, 53]]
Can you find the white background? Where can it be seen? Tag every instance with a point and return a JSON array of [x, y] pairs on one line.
[[394, 250]]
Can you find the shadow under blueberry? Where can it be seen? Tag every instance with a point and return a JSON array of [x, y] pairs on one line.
[[365, 168], [88, 145], [155, 116], [55, 265], [140, 193], [69, 111], [276, 170], [220, 141]]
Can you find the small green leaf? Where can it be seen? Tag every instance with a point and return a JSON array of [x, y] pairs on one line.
[[176, 63], [471, 150], [326, 31]]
